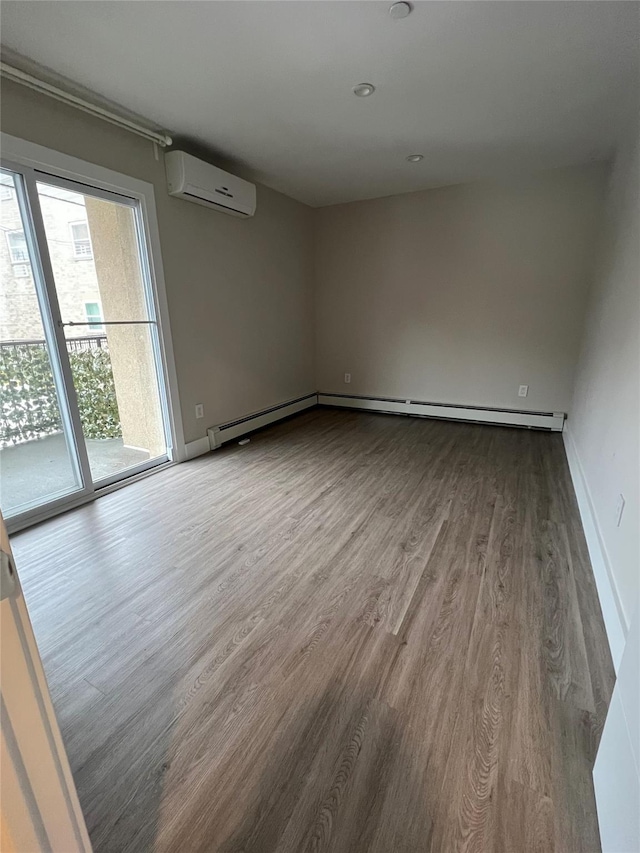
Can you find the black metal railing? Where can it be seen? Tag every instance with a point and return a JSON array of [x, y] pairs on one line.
[[80, 344]]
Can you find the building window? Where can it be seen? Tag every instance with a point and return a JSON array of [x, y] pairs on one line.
[[93, 313], [17, 247], [21, 270], [81, 240], [6, 187]]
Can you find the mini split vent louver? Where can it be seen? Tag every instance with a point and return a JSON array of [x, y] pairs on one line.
[[199, 182]]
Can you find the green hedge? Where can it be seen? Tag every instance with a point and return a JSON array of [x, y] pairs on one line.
[[29, 405], [93, 380]]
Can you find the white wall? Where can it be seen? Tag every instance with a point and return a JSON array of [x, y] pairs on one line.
[[604, 421], [616, 774], [460, 294], [239, 291], [603, 447]]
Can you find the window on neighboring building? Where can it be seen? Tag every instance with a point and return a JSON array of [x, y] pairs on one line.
[[17, 247], [6, 187], [81, 240], [93, 313], [21, 270]]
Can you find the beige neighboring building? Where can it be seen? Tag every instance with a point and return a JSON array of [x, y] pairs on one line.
[[65, 219]]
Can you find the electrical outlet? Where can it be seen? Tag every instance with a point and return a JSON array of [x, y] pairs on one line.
[[347, 378], [523, 390], [199, 411], [619, 509]]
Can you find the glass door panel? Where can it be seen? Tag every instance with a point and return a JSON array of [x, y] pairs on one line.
[[37, 454], [109, 327]]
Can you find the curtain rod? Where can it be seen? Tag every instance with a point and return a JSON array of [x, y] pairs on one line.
[[51, 91]]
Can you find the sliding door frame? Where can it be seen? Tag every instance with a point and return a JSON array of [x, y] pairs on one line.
[[37, 163], [50, 312], [34, 179]]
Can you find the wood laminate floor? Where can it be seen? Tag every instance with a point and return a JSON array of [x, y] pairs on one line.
[[357, 633]]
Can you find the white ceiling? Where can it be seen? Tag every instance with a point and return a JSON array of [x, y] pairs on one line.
[[479, 88]]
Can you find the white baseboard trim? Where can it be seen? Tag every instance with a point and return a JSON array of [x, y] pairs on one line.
[[612, 612], [218, 435], [540, 420], [196, 448]]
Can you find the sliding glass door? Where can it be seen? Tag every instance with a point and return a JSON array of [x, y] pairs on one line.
[[38, 462], [83, 396], [109, 327]]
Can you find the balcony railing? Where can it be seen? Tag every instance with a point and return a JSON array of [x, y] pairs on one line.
[[73, 344]]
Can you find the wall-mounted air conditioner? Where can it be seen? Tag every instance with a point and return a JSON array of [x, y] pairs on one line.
[[197, 181]]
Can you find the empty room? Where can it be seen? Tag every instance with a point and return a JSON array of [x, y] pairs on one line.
[[319, 429]]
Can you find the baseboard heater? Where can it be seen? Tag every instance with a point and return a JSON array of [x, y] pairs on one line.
[[222, 433], [219, 435], [509, 417]]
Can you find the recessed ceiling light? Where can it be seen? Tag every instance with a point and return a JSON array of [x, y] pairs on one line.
[[363, 90], [415, 158], [399, 10]]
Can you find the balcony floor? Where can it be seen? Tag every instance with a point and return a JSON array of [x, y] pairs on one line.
[[35, 470]]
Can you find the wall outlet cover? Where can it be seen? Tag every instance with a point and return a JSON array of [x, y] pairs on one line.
[[200, 410], [619, 509], [523, 390], [347, 378]]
